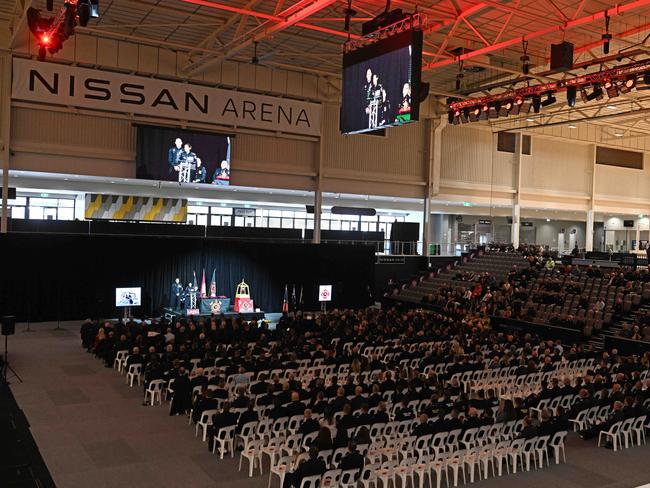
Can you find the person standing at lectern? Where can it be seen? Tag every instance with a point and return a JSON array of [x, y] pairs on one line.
[[177, 291], [174, 154]]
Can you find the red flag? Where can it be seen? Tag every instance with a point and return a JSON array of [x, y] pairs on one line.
[[285, 300], [203, 288]]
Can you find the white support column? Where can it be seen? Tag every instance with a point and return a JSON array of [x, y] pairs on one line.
[[426, 226], [318, 203], [5, 135], [516, 206], [318, 194], [589, 231], [589, 225]]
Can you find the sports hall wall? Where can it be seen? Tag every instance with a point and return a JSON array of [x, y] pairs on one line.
[[467, 168], [52, 277]]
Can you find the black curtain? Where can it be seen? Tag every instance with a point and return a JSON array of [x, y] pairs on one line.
[[50, 277]]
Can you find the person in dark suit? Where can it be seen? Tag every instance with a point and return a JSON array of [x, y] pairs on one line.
[[260, 387], [381, 417], [295, 407], [309, 424], [312, 467], [423, 428], [206, 402], [249, 415], [352, 460], [182, 398], [529, 431], [616, 416], [224, 419]]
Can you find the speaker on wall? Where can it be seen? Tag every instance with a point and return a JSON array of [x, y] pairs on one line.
[[8, 325]]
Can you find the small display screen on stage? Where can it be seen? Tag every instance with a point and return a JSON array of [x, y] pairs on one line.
[[128, 297], [183, 156], [381, 84]]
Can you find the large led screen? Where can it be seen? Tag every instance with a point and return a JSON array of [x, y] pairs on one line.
[[381, 84], [183, 156]]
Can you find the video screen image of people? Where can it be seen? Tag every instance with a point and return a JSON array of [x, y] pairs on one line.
[[378, 91], [183, 156]]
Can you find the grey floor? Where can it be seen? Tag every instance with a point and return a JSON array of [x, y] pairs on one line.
[[93, 431]]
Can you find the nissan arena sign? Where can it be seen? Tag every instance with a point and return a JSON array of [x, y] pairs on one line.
[[58, 84]]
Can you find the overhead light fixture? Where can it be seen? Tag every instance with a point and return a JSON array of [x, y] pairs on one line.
[[597, 94], [611, 88], [548, 220], [537, 101], [550, 100], [571, 93], [571, 126], [611, 107], [618, 134], [583, 95], [629, 84], [530, 120]]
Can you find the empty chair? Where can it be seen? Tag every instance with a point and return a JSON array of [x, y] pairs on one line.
[[204, 421], [310, 482], [134, 373], [613, 434], [153, 391], [225, 441], [557, 443], [330, 479], [638, 429], [251, 453], [280, 469]]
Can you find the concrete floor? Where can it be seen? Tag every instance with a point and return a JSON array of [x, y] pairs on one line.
[[93, 431]]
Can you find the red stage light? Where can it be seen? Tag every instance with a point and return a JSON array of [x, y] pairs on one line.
[[45, 39]]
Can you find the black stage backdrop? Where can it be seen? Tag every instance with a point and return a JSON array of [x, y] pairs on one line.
[[50, 277]]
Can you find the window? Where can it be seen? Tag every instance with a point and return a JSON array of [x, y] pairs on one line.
[[526, 145], [506, 142], [618, 157]]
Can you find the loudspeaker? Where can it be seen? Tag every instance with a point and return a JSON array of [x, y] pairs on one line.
[[561, 57], [8, 325]]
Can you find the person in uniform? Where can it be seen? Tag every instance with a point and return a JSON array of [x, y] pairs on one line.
[[222, 174], [177, 291], [405, 105], [190, 158], [189, 291], [173, 155], [366, 94]]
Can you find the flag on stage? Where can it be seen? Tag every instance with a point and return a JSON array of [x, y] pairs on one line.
[[203, 289], [294, 300], [195, 283], [213, 284], [285, 300]]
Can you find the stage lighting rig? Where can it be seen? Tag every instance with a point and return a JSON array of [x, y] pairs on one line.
[[52, 32], [606, 37]]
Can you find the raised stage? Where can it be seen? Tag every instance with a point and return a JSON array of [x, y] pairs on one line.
[[169, 313]]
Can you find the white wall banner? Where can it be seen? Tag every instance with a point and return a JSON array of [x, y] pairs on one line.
[[59, 84]]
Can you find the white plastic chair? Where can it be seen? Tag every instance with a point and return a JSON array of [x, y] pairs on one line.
[[626, 432], [557, 443], [330, 479], [204, 421], [455, 463], [153, 391], [134, 373], [541, 449], [251, 453], [613, 433], [120, 360], [310, 482], [368, 476], [225, 438], [528, 452], [638, 428], [280, 469], [348, 478], [515, 454]]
